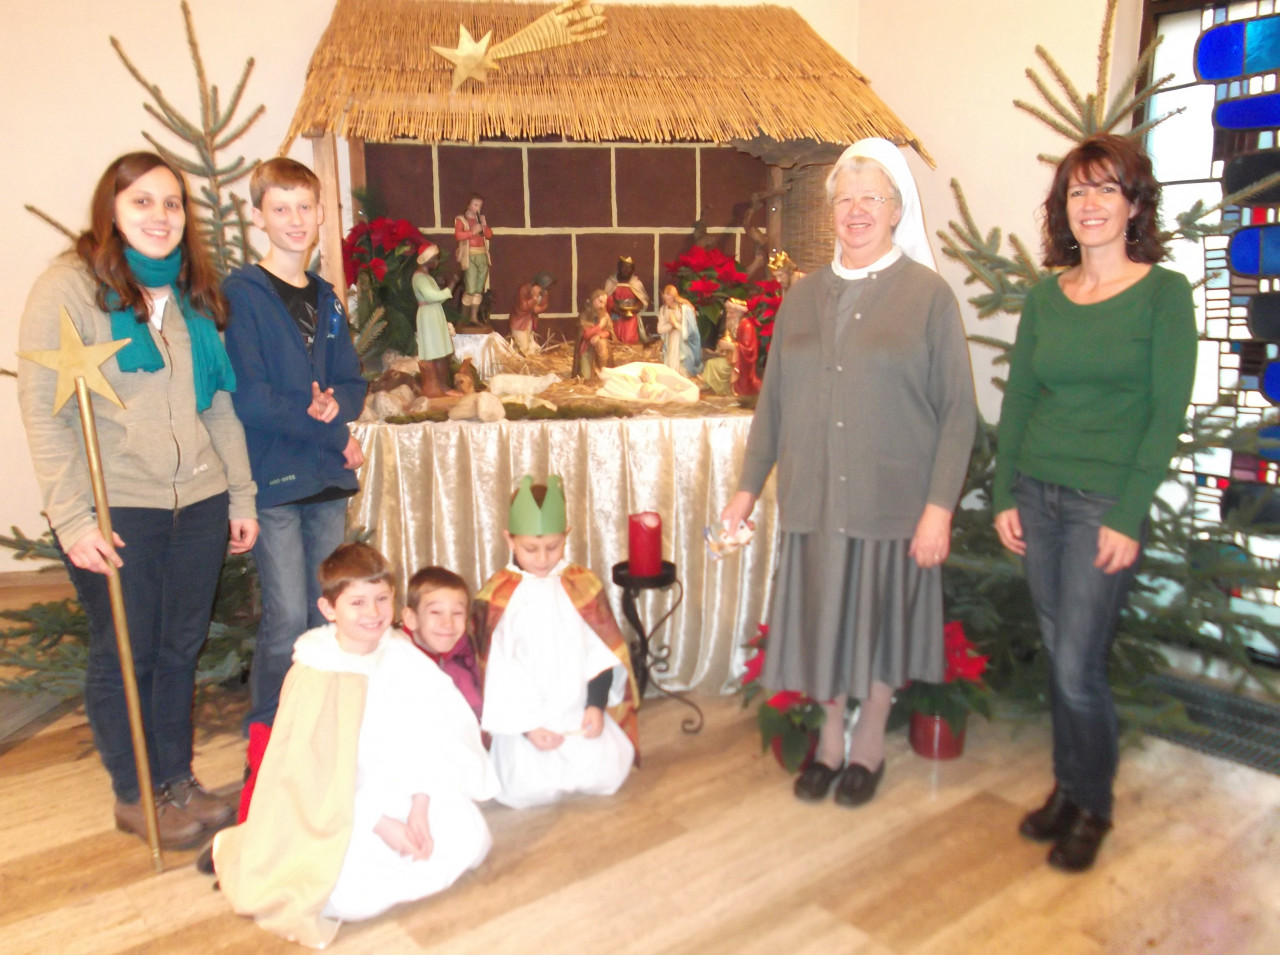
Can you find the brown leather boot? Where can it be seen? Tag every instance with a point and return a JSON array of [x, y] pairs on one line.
[[178, 828], [1076, 848], [1051, 820], [210, 811]]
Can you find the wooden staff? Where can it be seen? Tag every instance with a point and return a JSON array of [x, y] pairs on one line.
[[78, 371]]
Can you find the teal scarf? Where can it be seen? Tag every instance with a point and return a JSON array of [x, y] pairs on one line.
[[210, 366]]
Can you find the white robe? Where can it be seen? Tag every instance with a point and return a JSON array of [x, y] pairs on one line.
[[541, 657], [418, 735], [673, 326]]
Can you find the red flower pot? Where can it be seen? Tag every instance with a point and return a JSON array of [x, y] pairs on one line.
[[775, 746], [932, 738]]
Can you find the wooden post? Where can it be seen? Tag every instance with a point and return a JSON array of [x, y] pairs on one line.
[[324, 151], [359, 178], [773, 211]]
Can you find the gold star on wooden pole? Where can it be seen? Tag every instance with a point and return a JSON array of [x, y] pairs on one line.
[[79, 372], [74, 359]]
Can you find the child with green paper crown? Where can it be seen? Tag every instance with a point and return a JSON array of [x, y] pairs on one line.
[[559, 694]]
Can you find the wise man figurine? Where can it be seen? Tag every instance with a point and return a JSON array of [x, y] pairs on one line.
[[473, 235], [784, 271], [627, 299]]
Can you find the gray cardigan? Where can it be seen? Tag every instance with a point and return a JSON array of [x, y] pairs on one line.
[[868, 429], [156, 450]]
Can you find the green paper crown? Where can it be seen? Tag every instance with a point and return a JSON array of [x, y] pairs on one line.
[[526, 519]]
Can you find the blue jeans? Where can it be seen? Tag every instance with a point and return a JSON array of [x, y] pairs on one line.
[[293, 540], [1078, 607], [172, 563]]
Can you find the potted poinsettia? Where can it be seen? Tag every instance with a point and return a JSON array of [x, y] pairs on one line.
[[939, 711], [788, 720], [379, 258]]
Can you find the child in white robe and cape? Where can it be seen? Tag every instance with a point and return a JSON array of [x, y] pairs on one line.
[[365, 796], [555, 663]]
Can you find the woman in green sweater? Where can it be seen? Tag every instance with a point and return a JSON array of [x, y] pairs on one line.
[[1099, 381]]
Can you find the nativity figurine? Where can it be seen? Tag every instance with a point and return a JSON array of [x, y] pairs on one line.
[[678, 329], [627, 298], [435, 339], [532, 300], [593, 349], [473, 235]]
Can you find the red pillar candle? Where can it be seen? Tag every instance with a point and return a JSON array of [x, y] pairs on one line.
[[644, 544]]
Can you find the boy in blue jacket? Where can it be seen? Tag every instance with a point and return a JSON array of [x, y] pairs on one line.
[[299, 385]]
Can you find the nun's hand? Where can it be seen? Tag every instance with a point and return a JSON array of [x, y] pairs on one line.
[[931, 542], [737, 511]]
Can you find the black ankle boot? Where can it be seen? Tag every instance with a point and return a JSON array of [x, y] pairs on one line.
[[1051, 820], [1076, 848]]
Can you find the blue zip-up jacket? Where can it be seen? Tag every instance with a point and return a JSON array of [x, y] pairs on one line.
[[293, 456]]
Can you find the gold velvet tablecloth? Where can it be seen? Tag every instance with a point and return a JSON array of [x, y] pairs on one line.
[[437, 493]]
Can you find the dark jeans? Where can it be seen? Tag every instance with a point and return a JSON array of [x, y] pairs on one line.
[[1078, 607], [293, 540], [172, 562]]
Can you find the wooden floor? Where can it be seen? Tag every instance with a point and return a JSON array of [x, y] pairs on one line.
[[704, 851]]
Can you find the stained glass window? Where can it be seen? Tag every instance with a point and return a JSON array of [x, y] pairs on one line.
[[1225, 61]]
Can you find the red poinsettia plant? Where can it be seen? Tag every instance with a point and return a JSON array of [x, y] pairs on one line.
[[379, 257], [708, 277], [962, 688], [379, 247], [788, 720]]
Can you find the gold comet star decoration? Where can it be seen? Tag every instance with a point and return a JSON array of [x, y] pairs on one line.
[[571, 22], [74, 359]]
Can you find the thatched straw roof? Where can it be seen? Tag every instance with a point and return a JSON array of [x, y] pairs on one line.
[[661, 73]]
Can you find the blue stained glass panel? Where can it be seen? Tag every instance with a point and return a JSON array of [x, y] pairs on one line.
[[1272, 433], [1248, 112], [1255, 251], [1220, 52], [1262, 45], [1245, 251], [1271, 388]]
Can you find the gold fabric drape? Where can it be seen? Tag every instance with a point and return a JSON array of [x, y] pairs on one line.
[[437, 493]]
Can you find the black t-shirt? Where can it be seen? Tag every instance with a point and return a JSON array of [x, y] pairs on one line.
[[303, 303]]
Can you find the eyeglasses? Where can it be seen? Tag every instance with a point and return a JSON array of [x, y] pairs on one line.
[[869, 203]]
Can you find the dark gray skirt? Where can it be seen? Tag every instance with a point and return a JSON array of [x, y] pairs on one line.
[[847, 613]]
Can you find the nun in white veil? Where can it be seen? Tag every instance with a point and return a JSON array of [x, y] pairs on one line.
[[868, 412]]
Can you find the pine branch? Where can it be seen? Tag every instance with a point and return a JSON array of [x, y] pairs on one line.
[[237, 93], [1104, 57], [1126, 105], [997, 343], [202, 84], [239, 130], [32, 548], [1142, 128], [41, 214], [1063, 81], [1058, 106], [1069, 132]]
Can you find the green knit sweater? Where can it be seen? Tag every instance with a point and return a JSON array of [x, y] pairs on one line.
[[1097, 394]]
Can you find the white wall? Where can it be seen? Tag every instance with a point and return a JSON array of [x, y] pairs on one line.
[[949, 69]]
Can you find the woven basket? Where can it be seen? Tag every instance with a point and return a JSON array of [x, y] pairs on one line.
[[807, 233]]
